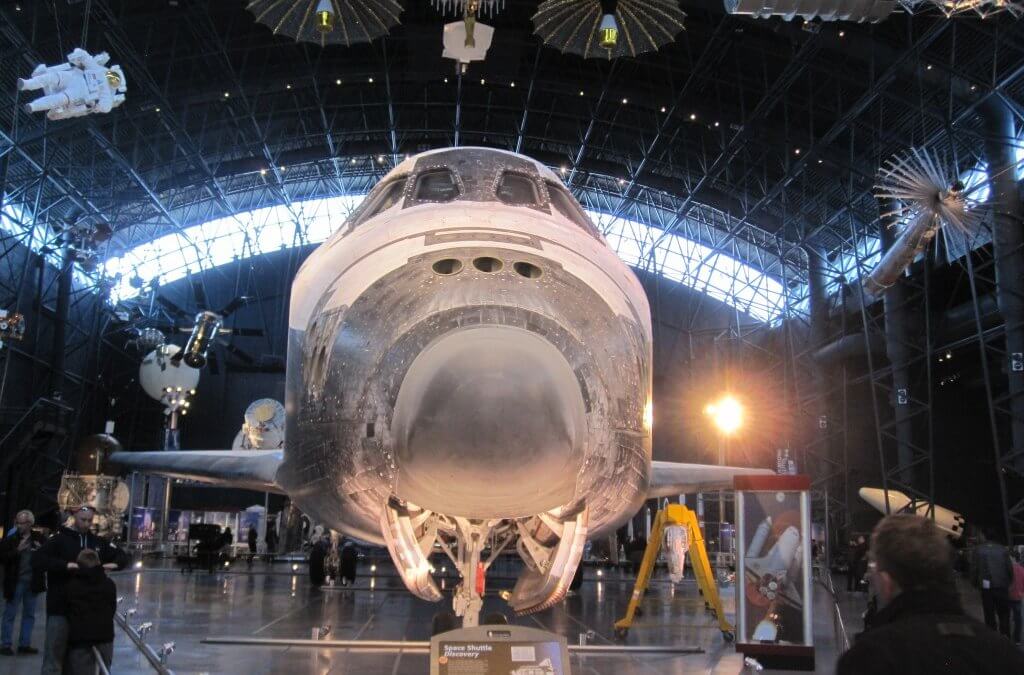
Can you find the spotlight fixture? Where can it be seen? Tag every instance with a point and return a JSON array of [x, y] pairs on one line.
[[325, 16], [693, 117], [608, 33], [338, 82], [625, 101]]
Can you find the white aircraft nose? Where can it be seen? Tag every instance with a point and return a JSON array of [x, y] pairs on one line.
[[489, 422]]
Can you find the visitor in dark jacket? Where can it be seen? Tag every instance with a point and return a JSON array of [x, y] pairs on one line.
[[22, 583], [993, 576], [920, 627], [91, 600], [856, 555], [349, 555], [59, 558], [252, 538]]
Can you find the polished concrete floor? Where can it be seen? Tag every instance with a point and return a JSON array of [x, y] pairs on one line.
[[273, 602]]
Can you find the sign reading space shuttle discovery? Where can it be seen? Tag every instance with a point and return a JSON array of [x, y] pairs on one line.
[[498, 650]]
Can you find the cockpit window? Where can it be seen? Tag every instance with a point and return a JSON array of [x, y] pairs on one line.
[[436, 185], [388, 196], [517, 190], [567, 206]]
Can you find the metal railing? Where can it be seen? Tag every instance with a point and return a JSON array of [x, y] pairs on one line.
[[838, 625], [158, 661], [101, 665], [423, 646]]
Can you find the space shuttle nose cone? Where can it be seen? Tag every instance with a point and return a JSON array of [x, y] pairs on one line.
[[489, 422]]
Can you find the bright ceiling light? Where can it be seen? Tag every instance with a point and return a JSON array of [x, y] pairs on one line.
[[726, 413]]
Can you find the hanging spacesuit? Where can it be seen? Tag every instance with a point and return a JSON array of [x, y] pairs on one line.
[[82, 86], [676, 545]]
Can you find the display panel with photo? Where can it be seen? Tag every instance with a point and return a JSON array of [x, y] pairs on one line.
[[144, 525], [775, 567]]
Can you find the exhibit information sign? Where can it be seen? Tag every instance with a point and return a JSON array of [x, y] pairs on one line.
[[773, 600], [494, 650]]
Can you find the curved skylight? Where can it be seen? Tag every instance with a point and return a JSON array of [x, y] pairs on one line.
[[1018, 156], [223, 240], [695, 265], [269, 229]]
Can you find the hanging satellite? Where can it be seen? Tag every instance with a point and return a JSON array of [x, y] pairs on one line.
[[467, 40], [859, 11], [328, 22], [608, 28], [12, 326], [926, 199]]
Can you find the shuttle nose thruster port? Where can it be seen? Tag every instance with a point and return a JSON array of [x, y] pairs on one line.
[[516, 447]]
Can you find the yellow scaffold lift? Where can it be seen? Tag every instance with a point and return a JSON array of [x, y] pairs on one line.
[[676, 514]]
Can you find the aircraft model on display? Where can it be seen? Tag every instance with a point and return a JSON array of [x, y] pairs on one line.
[[469, 368]]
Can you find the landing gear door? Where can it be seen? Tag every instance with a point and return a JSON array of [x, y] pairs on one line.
[[774, 576]]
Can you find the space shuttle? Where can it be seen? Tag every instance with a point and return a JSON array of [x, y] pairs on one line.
[[468, 372]]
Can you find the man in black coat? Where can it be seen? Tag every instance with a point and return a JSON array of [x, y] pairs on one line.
[[22, 583], [58, 557], [920, 626], [91, 600]]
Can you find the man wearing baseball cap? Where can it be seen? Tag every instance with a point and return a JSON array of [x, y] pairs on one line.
[[57, 557]]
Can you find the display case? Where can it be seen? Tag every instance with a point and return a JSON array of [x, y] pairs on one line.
[[773, 594]]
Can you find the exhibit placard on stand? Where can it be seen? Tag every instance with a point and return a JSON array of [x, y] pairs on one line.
[[773, 598], [516, 650]]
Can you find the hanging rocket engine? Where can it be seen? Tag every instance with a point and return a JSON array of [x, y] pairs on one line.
[[919, 189]]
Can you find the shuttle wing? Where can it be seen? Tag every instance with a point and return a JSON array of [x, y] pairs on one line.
[[249, 469], [673, 478]]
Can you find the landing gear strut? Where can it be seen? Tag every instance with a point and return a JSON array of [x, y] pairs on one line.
[[466, 552]]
